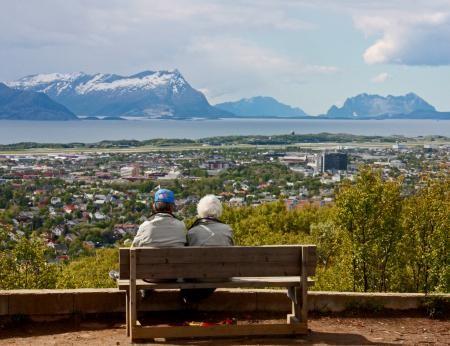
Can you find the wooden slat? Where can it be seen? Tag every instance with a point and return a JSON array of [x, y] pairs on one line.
[[219, 331], [214, 270], [288, 281], [206, 255], [223, 253], [125, 274], [206, 251], [217, 261]]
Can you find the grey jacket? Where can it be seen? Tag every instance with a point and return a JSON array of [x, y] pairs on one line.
[[161, 230], [209, 232]]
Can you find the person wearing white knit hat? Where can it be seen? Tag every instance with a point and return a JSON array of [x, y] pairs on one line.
[[208, 230]]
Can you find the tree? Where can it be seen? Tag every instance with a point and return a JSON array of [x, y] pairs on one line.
[[329, 240], [25, 265], [6, 194], [425, 244], [369, 212], [269, 224], [333, 261]]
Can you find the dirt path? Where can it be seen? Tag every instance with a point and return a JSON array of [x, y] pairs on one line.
[[324, 331]]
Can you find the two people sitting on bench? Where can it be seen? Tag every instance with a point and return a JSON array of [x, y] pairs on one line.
[[163, 229]]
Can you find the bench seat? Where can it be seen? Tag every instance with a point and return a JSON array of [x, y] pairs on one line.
[[239, 282]]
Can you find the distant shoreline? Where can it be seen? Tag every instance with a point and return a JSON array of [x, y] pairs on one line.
[[242, 141]]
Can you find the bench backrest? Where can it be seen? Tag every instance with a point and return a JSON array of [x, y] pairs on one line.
[[218, 262]]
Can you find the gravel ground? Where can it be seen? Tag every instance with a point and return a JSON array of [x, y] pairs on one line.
[[325, 330]]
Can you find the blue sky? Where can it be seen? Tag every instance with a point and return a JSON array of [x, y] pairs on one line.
[[310, 54]]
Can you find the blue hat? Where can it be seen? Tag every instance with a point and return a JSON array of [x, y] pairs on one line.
[[164, 195]]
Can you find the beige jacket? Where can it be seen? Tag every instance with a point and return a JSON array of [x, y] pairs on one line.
[[161, 230]]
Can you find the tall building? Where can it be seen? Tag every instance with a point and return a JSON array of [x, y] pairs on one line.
[[216, 164], [334, 162], [130, 171]]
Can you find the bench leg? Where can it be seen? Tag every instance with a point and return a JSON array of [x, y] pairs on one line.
[[132, 294], [304, 303], [304, 287], [299, 295], [295, 315], [127, 312]]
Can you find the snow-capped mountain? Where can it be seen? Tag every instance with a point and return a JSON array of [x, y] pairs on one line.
[[364, 106], [148, 93], [30, 105], [260, 106]]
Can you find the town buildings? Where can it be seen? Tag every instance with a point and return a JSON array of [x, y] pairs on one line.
[[79, 201]]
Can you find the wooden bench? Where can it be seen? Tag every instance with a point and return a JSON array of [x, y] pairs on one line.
[[256, 267]]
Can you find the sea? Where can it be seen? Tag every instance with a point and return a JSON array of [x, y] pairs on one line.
[[90, 131]]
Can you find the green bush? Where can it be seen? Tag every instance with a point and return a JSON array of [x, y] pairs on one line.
[[23, 264], [90, 271]]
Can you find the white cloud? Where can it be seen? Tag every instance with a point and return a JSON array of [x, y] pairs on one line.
[[242, 54], [251, 66], [54, 22], [216, 44], [381, 78], [407, 37], [405, 32]]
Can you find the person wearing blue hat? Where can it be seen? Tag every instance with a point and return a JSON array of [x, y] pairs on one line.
[[165, 196], [162, 229]]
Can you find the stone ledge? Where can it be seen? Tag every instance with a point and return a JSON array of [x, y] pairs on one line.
[[101, 301]]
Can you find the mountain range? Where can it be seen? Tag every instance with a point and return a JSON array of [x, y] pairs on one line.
[[29, 105], [260, 106], [148, 93], [167, 94], [370, 106]]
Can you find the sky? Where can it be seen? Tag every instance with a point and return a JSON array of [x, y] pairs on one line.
[[306, 53]]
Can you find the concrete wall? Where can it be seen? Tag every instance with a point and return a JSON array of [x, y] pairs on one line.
[[104, 301]]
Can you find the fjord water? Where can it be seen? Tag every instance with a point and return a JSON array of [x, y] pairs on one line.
[[93, 131]]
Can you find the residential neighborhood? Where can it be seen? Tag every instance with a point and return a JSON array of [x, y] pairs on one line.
[[80, 201]]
